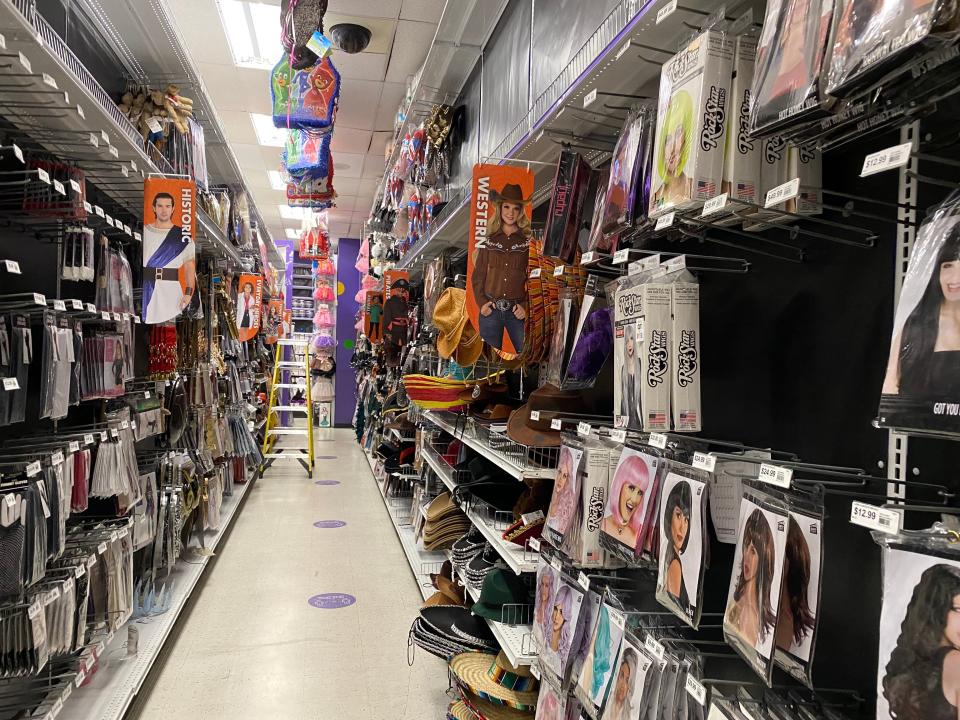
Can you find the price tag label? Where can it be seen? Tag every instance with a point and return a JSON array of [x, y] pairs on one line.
[[666, 11], [775, 475], [136, 319], [146, 395], [33, 468], [534, 414], [583, 429], [75, 186], [704, 461], [583, 580], [619, 436], [555, 424], [117, 316], [714, 205], [114, 433], [127, 230], [875, 518], [102, 548], [621, 256], [654, 646], [80, 570], [618, 619], [39, 299], [104, 315], [556, 564], [56, 458], [18, 153], [125, 171], [154, 125], [58, 186], [59, 305], [888, 159], [782, 193], [125, 425], [658, 440], [98, 210], [535, 544], [590, 98], [81, 113], [24, 62], [622, 51], [76, 305], [535, 670], [137, 236], [558, 270], [741, 24], [665, 221], [108, 218], [94, 140], [43, 175], [675, 263], [588, 257], [113, 151], [74, 446], [34, 610], [88, 439], [90, 308], [696, 690], [10, 384], [87, 207], [535, 273]]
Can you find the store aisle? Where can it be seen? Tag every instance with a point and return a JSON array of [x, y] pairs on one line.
[[254, 647]]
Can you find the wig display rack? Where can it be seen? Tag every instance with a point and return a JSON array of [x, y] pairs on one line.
[[581, 108], [119, 675], [516, 640], [83, 115]]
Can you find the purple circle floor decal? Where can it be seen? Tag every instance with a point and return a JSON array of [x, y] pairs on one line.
[[332, 601], [329, 524], [327, 482]]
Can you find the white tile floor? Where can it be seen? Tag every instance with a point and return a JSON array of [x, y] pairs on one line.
[[254, 648]]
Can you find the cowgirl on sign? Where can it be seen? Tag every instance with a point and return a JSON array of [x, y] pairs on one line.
[[500, 227]]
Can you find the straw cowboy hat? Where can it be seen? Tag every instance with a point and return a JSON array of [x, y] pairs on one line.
[[457, 338]]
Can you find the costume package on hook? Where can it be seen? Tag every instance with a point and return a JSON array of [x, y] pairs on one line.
[[790, 57], [750, 619], [918, 636], [683, 541], [921, 390], [558, 636], [629, 514], [630, 676], [593, 338], [597, 669], [685, 355], [654, 346], [629, 172], [800, 598], [627, 320], [570, 185], [582, 541], [876, 40], [774, 171], [564, 327], [566, 492], [741, 166], [691, 124]]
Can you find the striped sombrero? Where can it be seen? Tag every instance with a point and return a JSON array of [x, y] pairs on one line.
[[494, 679]]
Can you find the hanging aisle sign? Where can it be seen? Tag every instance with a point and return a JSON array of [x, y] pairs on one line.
[[500, 235], [372, 315], [249, 301], [169, 251]]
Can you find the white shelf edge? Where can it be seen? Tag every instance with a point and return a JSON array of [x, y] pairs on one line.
[[112, 698]]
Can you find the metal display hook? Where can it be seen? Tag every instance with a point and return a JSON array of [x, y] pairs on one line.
[[794, 231], [701, 236]]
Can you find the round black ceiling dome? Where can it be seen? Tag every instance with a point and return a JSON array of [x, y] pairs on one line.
[[350, 38]]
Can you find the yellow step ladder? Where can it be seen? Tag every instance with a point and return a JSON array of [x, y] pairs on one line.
[[275, 429]]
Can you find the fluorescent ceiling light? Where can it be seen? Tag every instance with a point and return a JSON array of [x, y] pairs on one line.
[[253, 32], [276, 180], [267, 134], [293, 234], [290, 213]]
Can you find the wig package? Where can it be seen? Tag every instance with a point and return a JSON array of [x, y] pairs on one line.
[[685, 354], [581, 543], [750, 618], [799, 609], [634, 478], [597, 670], [565, 499], [592, 338], [790, 59], [921, 389], [627, 313], [691, 124], [654, 329], [683, 541], [921, 578], [629, 180], [741, 165], [561, 342], [570, 185], [875, 41]]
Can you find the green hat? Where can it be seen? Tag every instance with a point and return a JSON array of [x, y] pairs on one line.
[[500, 588]]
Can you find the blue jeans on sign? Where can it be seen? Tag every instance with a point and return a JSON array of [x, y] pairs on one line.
[[492, 327]]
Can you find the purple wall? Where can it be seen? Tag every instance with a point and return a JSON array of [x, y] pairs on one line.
[[348, 283]]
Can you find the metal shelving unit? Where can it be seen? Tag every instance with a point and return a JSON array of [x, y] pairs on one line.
[[120, 677]]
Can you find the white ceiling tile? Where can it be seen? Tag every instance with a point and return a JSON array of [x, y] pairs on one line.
[[358, 104], [235, 88], [203, 30], [393, 94], [410, 49], [369, 8], [349, 165], [347, 185], [361, 66], [379, 142], [346, 203], [422, 10], [350, 140]]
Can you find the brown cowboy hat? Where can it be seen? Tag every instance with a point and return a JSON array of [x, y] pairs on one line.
[[550, 402], [457, 338], [512, 194]]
